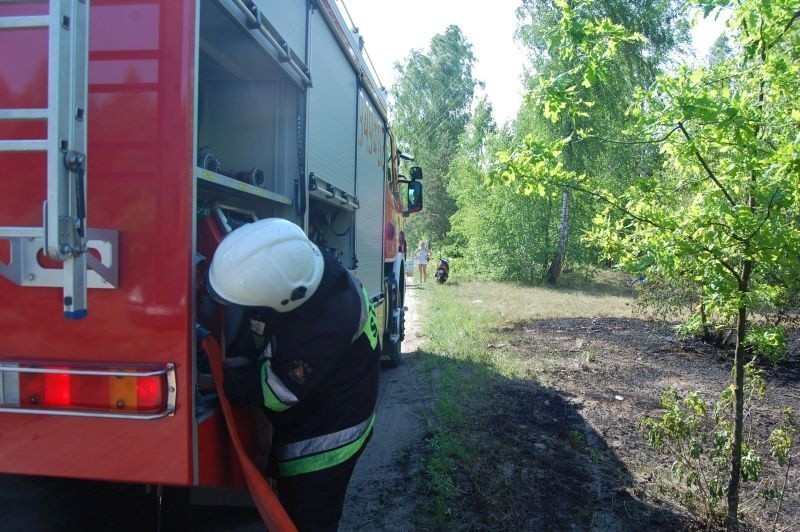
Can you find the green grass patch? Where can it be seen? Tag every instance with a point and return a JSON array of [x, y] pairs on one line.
[[471, 321], [472, 471]]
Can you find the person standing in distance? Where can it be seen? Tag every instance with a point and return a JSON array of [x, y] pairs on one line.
[[317, 378], [421, 254]]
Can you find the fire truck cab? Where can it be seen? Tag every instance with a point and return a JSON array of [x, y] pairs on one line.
[[134, 135]]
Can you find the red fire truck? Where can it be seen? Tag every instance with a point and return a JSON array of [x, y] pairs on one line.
[[134, 134]]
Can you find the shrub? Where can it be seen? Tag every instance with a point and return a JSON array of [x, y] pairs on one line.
[[699, 438]]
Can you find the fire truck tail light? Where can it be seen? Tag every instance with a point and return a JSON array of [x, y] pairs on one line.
[[149, 393], [122, 393], [83, 390], [31, 388], [57, 389]]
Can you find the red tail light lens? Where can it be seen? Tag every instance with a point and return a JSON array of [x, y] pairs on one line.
[[57, 390], [150, 393], [82, 390]]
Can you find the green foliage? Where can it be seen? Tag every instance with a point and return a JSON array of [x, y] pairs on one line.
[[577, 441], [768, 342], [433, 95], [668, 299], [782, 438], [496, 233], [691, 220], [699, 437], [723, 211], [566, 101], [728, 191]]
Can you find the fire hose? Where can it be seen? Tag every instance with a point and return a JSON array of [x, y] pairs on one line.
[[269, 507], [253, 177], [208, 161]]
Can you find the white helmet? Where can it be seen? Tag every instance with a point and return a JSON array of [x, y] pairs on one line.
[[268, 263]]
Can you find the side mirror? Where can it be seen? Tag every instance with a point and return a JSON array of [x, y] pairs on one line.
[[416, 173], [414, 197]]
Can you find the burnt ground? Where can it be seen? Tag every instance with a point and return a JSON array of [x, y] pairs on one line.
[[562, 448], [582, 459]]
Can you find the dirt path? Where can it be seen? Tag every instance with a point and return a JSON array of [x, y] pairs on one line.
[[378, 495]]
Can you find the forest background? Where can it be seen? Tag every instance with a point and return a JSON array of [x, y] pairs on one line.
[[629, 155], [624, 152]]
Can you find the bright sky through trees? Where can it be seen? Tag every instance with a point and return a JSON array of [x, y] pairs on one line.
[[392, 29]]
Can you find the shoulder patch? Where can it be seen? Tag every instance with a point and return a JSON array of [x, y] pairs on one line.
[[300, 371]]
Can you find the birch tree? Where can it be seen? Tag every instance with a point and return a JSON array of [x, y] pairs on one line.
[[636, 64], [723, 210]]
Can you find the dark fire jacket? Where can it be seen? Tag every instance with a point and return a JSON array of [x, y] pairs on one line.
[[316, 374]]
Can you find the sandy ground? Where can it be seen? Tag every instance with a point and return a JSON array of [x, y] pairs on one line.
[[378, 495]]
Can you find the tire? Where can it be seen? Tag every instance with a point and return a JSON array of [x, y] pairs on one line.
[[392, 351]]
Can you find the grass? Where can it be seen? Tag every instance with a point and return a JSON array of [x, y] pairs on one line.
[[509, 445], [465, 319], [468, 356], [513, 303]]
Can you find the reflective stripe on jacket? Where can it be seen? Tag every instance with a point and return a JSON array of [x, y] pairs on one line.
[[277, 396], [324, 451]]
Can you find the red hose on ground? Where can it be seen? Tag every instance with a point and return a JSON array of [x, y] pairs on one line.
[[270, 509]]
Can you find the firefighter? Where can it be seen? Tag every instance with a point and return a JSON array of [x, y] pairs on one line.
[[317, 373]]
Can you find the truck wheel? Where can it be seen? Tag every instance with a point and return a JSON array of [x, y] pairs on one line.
[[393, 349]]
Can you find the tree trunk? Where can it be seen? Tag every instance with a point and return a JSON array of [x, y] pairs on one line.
[[542, 257], [563, 238], [738, 394], [704, 323]]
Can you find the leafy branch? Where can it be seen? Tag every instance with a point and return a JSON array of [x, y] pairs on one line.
[[786, 29], [705, 166]]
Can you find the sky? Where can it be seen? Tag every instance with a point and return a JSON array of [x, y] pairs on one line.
[[392, 29]]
